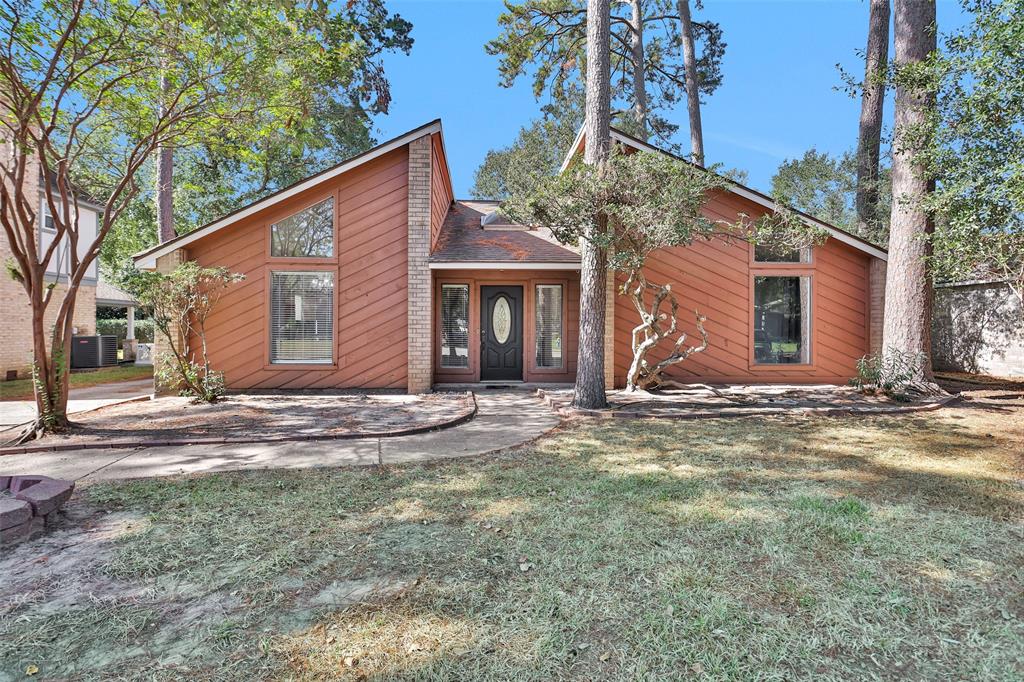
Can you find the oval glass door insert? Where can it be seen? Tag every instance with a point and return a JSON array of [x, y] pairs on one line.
[[501, 320]]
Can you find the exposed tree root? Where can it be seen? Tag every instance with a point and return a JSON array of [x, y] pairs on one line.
[[39, 427]]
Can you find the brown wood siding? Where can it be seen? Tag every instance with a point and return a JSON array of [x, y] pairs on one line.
[[716, 278], [528, 279], [370, 285], [441, 195]]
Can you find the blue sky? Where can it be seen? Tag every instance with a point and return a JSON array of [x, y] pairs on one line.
[[777, 99]]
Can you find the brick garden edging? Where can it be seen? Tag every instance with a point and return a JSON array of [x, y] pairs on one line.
[[564, 410], [27, 503], [119, 445]]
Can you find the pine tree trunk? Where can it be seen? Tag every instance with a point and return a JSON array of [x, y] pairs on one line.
[[908, 286], [636, 25], [590, 388], [871, 106], [164, 187], [692, 83]]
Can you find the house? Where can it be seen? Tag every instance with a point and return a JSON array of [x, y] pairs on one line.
[[372, 275], [16, 331]]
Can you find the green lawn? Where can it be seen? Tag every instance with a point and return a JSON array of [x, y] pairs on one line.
[[21, 389], [856, 548]]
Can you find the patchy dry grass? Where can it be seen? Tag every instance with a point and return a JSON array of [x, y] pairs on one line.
[[733, 549]]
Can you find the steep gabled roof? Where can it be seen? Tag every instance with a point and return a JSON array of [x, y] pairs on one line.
[[147, 259], [736, 188], [466, 242]]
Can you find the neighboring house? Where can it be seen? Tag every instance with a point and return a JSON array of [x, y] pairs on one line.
[[978, 327], [371, 275], [16, 330]]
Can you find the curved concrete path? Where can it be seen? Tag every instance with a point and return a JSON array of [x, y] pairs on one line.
[[504, 419]]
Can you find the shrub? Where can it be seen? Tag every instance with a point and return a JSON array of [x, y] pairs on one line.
[[179, 304], [892, 373], [119, 328]]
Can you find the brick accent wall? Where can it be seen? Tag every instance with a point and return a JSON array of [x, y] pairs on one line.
[[420, 353], [16, 330], [165, 265], [876, 304]]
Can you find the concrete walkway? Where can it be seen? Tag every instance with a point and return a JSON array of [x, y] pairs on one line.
[[504, 419], [13, 412]]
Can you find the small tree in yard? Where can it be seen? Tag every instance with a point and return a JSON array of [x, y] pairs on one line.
[[180, 303], [85, 103], [652, 201]]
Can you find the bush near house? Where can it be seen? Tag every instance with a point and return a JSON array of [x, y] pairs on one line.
[[119, 328]]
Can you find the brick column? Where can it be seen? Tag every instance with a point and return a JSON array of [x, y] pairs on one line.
[[876, 304], [165, 265], [611, 292], [420, 366]]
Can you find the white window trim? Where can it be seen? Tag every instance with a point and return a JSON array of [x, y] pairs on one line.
[[44, 211]]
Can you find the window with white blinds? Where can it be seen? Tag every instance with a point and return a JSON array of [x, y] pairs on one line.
[[455, 325], [301, 317], [548, 329], [306, 234]]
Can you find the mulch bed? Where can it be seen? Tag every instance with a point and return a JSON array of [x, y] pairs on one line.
[[702, 401], [259, 418]]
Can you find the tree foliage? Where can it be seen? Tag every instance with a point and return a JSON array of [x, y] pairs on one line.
[[179, 304], [319, 70], [651, 201], [545, 40], [536, 153], [87, 98], [975, 147], [825, 186]]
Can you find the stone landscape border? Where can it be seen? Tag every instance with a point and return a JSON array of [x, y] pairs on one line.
[[564, 409], [28, 504], [462, 418]]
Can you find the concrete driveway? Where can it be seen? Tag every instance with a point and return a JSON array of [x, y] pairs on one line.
[[14, 412]]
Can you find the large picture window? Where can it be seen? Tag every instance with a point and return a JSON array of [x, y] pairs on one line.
[[782, 320], [455, 325], [306, 234], [548, 327], [301, 317]]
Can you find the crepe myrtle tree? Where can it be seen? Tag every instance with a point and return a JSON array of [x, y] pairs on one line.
[[82, 110], [179, 304], [651, 201]]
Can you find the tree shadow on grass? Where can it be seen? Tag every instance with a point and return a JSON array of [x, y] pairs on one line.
[[608, 550]]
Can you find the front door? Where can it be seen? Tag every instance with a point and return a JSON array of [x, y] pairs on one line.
[[501, 333]]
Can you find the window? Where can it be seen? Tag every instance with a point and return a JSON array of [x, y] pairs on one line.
[[782, 320], [307, 234], [765, 253], [548, 329], [48, 224], [301, 317], [455, 325]]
